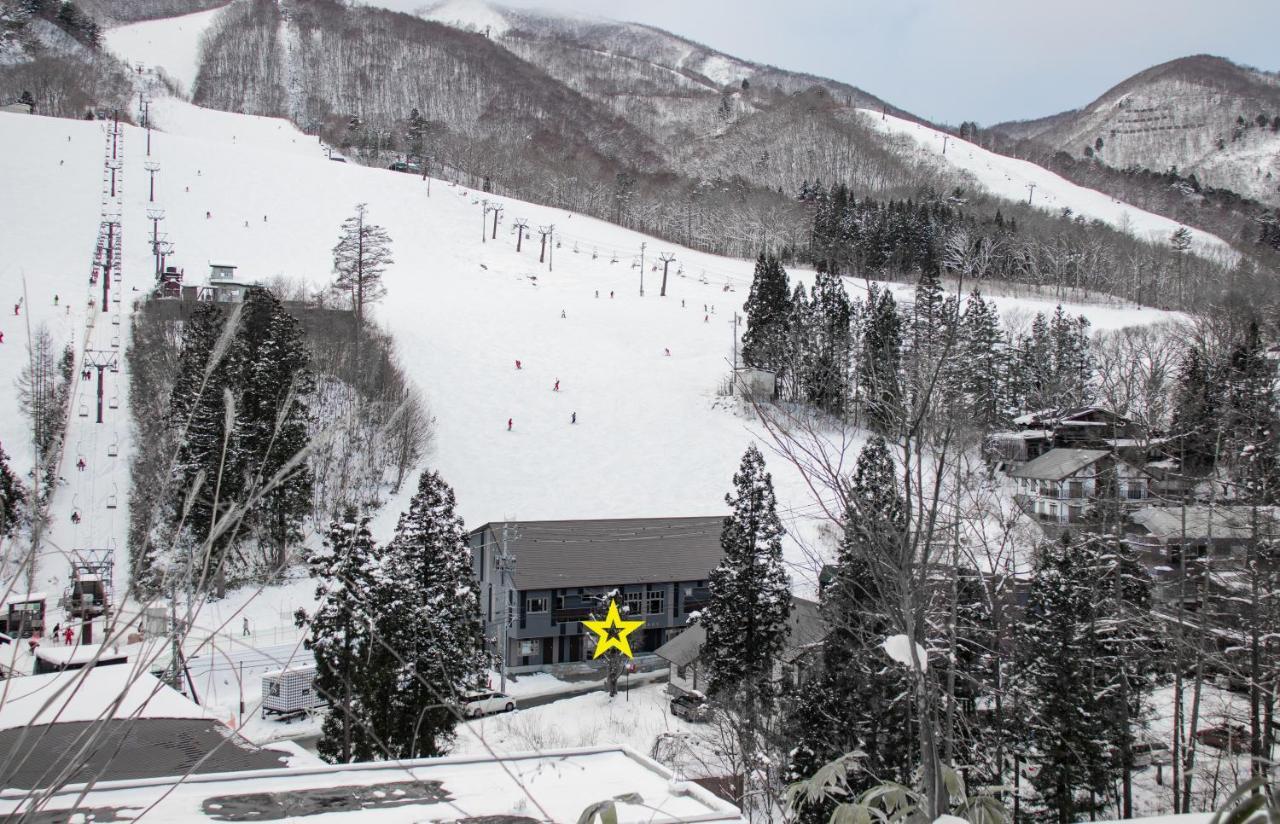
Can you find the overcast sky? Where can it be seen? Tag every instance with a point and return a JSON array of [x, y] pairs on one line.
[[954, 60]]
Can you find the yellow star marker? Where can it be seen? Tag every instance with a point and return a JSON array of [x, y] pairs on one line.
[[613, 631]]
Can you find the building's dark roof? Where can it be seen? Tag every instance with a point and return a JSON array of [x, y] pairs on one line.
[[559, 554], [124, 749], [1057, 464]]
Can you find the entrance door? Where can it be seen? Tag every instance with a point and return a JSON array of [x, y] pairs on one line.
[[575, 648], [546, 650]]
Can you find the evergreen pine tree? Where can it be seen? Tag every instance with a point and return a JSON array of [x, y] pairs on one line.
[[1126, 664], [980, 365], [795, 372], [857, 702], [341, 638], [431, 618], [277, 388], [768, 312], [12, 498], [1252, 417], [1197, 410], [361, 256], [208, 475], [1064, 727], [830, 348], [880, 359], [750, 595]]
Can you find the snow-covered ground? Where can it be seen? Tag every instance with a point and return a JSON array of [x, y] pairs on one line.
[[1021, 180], [173, 45]]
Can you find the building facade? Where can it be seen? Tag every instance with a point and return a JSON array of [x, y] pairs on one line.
[[538, 580], [1065, 486]]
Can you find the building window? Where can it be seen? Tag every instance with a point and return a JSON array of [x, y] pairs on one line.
[[1075, 489], [528, 647], [535, 605], [657, 601], [635, 603], [1136, 490], [559, 603]]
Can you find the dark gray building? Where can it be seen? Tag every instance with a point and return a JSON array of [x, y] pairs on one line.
[[559, 569]]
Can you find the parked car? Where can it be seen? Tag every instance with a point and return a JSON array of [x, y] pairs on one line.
[[1150, 753], [1226, 737], [690, 708], [403, 166], [477, 704]]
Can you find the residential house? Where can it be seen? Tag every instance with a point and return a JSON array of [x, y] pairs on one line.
[[684, 652], [545, 577], [1065, 486], [1198, 555], [1084, 427]]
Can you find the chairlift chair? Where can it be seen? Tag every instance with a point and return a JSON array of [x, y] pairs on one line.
[[112, 498], [84, 410], [115, 341], [115, 319], [114, 403], [113, 449]]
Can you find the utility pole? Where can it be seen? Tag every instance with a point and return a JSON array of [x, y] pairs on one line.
[[666, 259], [642, 245], [945, 138], [1031, 190], [506, 576], [101, 360], [484, 221], [733, 380], [544, 231], [152, 167], [551, 255], [520, 226], [426, 173], [497, 213]]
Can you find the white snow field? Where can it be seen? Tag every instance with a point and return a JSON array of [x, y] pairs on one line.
[[1011, 178], [172, 43]]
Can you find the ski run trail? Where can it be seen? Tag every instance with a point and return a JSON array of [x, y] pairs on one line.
[[653, 436]]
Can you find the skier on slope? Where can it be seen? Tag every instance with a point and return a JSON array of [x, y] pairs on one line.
[[556, 388], [69, 635], [573, 418], [509, 422], [517, 363]]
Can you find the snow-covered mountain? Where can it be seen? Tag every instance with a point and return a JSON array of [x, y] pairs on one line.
[[1203, 115]]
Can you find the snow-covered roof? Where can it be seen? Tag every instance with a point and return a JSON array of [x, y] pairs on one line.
[[90, 695], [555, 785], [1057, 464], [25, 598], [222, 264], [80, 654], [1199, 523]]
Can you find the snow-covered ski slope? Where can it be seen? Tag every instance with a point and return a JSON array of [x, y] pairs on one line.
[[652, 436], [172, 43], [1013, 179]]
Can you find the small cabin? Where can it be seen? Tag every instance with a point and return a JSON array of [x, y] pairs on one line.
[[224, 285], [59, 658], [23, 615]]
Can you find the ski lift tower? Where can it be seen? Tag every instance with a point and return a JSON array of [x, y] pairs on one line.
[[101, 359]]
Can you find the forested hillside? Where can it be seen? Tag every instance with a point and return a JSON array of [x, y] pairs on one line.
[[50, 58], [1202, 116]]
